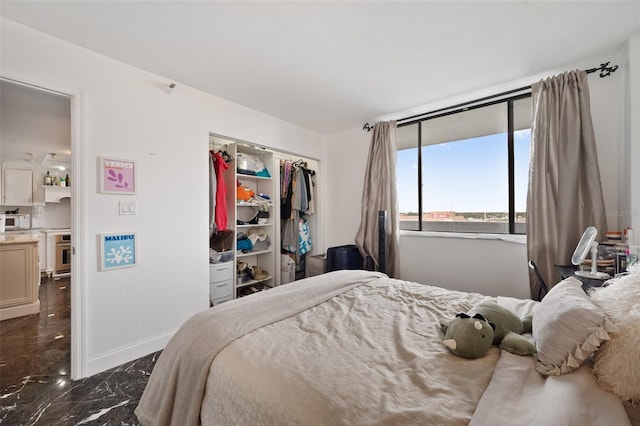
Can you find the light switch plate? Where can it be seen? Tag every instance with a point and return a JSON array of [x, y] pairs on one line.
[[127, 207]]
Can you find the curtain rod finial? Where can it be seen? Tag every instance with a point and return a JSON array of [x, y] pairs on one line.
[[368, 127]]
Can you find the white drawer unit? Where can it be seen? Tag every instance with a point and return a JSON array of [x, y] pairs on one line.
[[221, 299], [220, 289], [220, 282]]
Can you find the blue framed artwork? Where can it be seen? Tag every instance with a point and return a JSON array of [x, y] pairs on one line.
[[117, 250]]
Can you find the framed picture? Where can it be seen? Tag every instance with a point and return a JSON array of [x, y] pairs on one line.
[[117, 250], [116, 176]]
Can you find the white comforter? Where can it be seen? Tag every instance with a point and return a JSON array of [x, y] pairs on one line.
[[369, 354], [372, 355]]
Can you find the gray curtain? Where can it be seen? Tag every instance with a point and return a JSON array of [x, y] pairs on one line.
[[379, 193], [565, 193]]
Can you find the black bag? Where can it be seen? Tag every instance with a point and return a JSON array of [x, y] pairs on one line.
[[344, 257]]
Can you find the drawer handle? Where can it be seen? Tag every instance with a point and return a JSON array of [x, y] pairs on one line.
[[223, 285]]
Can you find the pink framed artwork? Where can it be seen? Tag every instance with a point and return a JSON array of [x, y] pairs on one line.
[[117, 176]]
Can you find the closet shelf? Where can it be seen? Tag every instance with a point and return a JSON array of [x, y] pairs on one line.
[[252, 253], [253, 282], [245, 176], [243, 204], [255, 225]]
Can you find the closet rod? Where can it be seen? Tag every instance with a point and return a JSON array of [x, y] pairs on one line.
[[605, 71]]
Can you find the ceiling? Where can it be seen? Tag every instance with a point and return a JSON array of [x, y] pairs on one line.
[[35, 128], [330, 66]]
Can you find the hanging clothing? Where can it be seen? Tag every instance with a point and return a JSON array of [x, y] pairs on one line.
[[287, 204], [297, 196], [221, 192], [289, 233], [213, 189], [304, 236], [285, 177], [309, 182], [302, 204]]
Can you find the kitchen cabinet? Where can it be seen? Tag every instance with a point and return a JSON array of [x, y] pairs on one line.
[[24, 187], [19, 277], [53, 194], [47, 193], [38, 190], [17, 186], [42, 250]]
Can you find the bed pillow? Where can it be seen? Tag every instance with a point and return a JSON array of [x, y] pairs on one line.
[[567, 328], [617, 363]]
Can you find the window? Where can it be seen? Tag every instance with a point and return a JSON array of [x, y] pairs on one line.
[[466, 170]]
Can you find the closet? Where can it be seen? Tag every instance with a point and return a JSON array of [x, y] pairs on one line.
[[246, 227], [298, 211]]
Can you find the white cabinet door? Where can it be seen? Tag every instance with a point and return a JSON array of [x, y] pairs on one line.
[[38, 189], [17, 187], [50, 252], [42, 251]]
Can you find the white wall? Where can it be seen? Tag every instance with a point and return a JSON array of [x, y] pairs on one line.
[[54, 215], [631, 126], [606, 111], [488, 266], [347, 154], [124, 113]]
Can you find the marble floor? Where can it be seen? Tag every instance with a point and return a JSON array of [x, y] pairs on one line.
[[35, 361]]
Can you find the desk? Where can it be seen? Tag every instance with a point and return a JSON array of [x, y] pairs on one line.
[[567, 271]]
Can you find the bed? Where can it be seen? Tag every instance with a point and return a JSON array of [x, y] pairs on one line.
[[356, 347]]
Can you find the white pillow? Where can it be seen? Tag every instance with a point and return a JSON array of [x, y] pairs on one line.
[[567, 328], [617, 362]]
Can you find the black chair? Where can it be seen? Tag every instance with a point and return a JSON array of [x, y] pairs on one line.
[[542, 285]]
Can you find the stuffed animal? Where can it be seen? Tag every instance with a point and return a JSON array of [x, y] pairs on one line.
[[471, 335]]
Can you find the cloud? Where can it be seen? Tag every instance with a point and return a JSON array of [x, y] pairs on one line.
[[522, 134]]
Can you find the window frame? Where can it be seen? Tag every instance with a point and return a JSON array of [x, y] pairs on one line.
[[468, 106]]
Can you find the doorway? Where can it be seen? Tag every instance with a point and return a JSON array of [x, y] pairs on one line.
[[40, 129]]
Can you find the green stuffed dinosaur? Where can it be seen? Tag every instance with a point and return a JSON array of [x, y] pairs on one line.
[[471, 335]]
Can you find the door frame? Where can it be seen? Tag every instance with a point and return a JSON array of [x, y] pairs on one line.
[[78, 269]]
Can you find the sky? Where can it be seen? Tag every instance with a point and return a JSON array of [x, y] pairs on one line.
[[464, 176]]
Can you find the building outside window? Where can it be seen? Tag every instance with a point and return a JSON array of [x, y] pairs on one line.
[[466, 170]]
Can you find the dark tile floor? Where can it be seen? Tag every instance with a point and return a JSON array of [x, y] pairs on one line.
[[35, 360]]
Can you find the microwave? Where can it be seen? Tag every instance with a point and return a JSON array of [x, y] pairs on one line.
[[17, 222]]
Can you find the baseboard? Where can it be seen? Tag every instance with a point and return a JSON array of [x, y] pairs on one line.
[[125, 354], [20, 310]]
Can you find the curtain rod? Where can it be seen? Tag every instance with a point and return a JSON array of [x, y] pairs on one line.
[[605, 71]]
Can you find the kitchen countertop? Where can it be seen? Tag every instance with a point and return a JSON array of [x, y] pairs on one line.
[[18, 238], [56, 230]]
